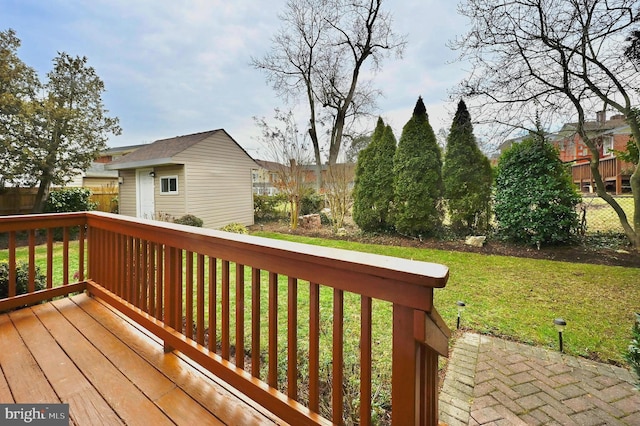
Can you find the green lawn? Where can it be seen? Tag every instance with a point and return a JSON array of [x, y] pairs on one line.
[[518, 298]]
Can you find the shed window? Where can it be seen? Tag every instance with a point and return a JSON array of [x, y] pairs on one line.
[[169, 185]]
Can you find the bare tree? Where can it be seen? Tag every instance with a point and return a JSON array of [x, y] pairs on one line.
[[562, 58], [288, 148], [318, 55], [339, 192]]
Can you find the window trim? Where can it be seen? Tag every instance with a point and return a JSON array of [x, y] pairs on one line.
[[168, 178]]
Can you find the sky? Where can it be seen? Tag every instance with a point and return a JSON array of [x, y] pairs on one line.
[[176, 67]]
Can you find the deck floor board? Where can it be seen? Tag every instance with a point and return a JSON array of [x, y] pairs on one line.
[[85, 403], [79, 351]]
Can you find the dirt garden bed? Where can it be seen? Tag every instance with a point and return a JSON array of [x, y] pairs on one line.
[[598, 250]]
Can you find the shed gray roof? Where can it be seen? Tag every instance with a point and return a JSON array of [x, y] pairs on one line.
[[162, 151]]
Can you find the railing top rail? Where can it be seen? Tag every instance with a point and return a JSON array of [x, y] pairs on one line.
[[40, 221], [383, 277]]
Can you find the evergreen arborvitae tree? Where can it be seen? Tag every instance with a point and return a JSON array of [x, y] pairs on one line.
[[467, 177], [535, 198], [373, 191], [417, 167]]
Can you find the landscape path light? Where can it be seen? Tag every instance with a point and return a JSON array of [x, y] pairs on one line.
[[461, 306], [560, 326]]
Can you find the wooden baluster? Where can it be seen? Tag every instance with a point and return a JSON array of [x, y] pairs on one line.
[[273, 330], [31, 283], [213, 301], [99, 255], [151, 308], [200, 300], [177, 288], [81, 243], [292, 339], [112, 265], [143, 276], [65, 255], [365, 360], [160, 262], [239, 315], [119, 265], [189, 297], [314, 347], [225, 309], [137, 272], [338, 357], [12, 264], [49, 258], [131, 261], [428, 385], [255, 322], [168, 311]]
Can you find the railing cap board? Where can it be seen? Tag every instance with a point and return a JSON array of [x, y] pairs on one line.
[[420, 273], [41, 221]]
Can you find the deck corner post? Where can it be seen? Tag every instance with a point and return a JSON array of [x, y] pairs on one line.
[[414, 387]]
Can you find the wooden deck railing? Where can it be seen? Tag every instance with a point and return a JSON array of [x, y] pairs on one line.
[[32, 231], [612, 170], [214, 297]]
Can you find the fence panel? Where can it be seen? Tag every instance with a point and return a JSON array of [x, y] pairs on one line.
[[598, 216]]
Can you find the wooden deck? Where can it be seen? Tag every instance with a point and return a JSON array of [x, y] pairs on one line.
[[80, 351]]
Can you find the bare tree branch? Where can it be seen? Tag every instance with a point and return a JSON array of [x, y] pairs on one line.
[[319, 54], [560, 58]]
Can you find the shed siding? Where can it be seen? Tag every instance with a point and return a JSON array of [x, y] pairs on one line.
[[172, 205], [127, 195], [218, 178]]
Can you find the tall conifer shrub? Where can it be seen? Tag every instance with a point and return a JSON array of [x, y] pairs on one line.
[[373, 191], [417, 167], [467, 177]]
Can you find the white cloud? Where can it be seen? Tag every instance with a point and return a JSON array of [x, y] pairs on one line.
[[174, 67]]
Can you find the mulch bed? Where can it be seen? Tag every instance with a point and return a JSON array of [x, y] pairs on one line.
[[579, 253]]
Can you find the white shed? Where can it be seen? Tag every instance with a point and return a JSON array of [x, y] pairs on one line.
[[204, 174]]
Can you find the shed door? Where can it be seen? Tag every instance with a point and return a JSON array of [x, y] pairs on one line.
[[144, 194]]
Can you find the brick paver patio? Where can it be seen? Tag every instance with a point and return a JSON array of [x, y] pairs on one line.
[[494, 381]]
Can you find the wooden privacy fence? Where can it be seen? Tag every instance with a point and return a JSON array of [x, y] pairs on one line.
[[17, 200], [216, 296], [21, 200]]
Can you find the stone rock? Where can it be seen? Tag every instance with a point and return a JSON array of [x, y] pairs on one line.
[[475, 241], [310, 221], [341, 232]]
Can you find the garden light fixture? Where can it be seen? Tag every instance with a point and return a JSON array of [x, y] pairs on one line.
[[560, 326], [461, 306]]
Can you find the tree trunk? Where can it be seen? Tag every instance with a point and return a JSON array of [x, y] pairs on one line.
[[633, 118], [41, 196], [634, 180], [336, 136], [632, 232]]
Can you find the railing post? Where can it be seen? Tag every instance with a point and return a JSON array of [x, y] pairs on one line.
[[414, 387], [404, 398]]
